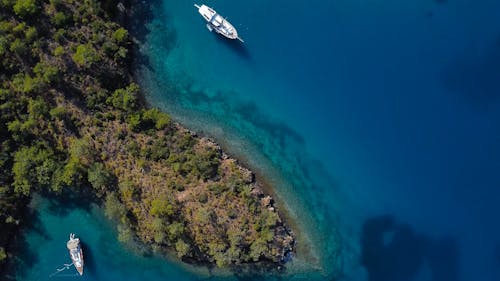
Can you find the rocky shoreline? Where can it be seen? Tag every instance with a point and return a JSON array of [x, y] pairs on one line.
[[74, 122]]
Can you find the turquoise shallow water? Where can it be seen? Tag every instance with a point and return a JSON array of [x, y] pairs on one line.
[[377, 122], [105, 258]]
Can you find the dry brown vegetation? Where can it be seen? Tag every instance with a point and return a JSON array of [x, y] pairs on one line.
[[72, 122]]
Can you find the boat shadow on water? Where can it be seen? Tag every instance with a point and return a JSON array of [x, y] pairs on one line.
[[235, 46], [88, 257]]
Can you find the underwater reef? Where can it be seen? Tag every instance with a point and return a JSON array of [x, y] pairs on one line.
[[75, 125]]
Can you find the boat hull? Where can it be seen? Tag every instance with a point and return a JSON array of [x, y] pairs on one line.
[[79, 268]]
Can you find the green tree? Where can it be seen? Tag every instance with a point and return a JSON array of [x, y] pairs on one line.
[[37, 109], [59, 51], [113, 208], [46, 72], [125, 98], [60, 19], [134, 120], [33, 168], [24, 83], [3, 254], [257, 248], [120, 35], [161, 207], [31, 33], [175, 230], [73, 172], [7, 3], [85, 55], [159, 119], [182, 248], [81, 150], [99, 177], [24, 8], [19, 47], [4, 45]]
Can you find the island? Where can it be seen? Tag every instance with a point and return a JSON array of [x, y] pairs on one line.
[[74, 124]]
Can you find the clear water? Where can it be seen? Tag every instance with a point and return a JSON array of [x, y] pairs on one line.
[[376, 121]]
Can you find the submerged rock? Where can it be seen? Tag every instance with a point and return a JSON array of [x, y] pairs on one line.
[[91, 132]]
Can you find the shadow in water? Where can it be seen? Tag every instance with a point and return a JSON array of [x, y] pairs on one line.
[[141, 20], [24, 256], [476, 79], [278, 142], [442, 257], [235, 46], [390, 251], [63, 204], [394, 252], [89, 260]]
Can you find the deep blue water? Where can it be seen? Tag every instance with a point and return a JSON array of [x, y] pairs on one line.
[[377, 122]]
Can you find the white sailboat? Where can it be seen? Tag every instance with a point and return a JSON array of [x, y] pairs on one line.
[[217, 22], [75, 252]]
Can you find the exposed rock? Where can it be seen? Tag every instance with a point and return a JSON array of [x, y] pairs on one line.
[[267, 201], [248, 176]]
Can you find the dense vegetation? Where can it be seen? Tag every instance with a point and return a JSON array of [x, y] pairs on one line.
[[72, 121]]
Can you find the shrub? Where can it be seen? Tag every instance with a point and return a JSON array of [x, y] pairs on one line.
[[202, 197], [218, 188], [58, 113]]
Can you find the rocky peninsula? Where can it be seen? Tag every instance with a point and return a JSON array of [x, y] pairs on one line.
[[74, 123]]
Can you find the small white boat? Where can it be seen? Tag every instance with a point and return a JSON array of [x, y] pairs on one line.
[[217, 22], [75, 252]]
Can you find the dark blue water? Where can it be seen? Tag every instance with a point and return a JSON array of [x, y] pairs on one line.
[[377, 122]]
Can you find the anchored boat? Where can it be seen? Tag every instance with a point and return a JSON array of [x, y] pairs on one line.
[[75, 252], [217, 22]]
